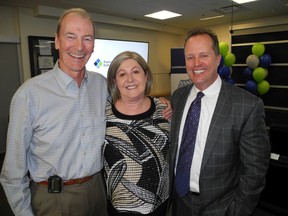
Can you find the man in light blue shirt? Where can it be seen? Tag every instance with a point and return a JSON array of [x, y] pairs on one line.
[[57, 126]]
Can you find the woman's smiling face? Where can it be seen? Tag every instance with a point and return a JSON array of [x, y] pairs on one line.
[[131, 80]]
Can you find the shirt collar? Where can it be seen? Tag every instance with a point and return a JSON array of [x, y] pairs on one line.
[[212, 90], [64, 79]]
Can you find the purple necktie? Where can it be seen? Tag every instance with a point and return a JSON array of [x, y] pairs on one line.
[[187, 147]]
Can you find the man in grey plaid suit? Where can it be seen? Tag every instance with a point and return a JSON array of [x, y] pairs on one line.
[[232, 149]]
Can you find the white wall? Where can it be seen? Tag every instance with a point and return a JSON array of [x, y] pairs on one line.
[[9, 22]]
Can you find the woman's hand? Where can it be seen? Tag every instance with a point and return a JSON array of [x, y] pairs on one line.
[[167, 113]]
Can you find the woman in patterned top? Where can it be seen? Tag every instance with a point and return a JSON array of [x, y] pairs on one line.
[[137, 141]]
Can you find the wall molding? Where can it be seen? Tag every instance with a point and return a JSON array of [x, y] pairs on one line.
[[9, 39], [260, 23]]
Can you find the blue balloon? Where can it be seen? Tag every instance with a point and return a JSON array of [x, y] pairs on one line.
[[265, 60], [251, 86], [224, 72], [248, 73], [230, 80], [221, 61]]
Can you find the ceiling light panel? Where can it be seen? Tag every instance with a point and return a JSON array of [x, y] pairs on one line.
[[243, 1], [164, 14]]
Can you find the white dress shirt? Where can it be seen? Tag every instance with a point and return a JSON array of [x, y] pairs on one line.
[[208, 103]]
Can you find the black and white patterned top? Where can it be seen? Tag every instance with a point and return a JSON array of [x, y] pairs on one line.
[[135, 159]]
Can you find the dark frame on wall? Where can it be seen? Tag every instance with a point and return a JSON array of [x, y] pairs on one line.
[[42, 53]]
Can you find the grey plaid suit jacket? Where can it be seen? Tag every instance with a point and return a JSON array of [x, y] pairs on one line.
[[237, 152]]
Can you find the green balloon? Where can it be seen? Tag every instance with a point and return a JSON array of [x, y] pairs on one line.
[[258, 49], [263, 87], [229, 59], [266, 71], [259, 74], [223, 48]]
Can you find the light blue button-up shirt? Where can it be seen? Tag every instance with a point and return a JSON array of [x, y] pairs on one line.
[[56, 128]]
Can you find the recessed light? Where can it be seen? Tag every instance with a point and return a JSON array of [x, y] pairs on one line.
[[162, 15], [243, 1], [211, 17]]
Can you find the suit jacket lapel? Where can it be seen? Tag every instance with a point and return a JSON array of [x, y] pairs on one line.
[[222, 108]]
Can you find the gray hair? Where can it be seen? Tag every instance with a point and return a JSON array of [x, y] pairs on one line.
[[78, 11]]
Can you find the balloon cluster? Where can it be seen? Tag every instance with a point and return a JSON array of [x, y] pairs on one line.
[[257, 71], [227, 60]]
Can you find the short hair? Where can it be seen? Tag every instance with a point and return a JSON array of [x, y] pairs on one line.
[[114, 66], [78, 11], [204, 31]]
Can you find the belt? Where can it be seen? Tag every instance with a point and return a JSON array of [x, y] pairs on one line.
[[71, 181], [194, 193]]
